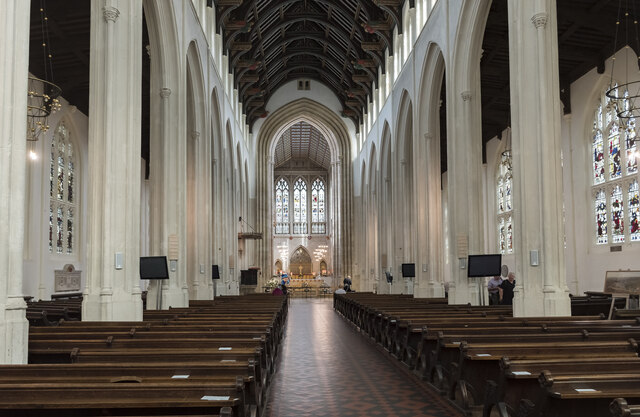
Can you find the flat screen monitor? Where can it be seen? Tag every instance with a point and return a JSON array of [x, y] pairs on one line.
[[389, 277], [484, 265], [249, 277], [215, 272], [408, 270], [153, 267]]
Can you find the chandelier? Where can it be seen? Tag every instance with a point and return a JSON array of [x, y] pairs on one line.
[[42, 101], [42, 95], [625, 96]]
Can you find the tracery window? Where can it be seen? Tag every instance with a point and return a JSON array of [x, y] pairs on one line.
[[505, 205], [282, 207], [614, 175], [300, 207], [62, 193], [318, 222]]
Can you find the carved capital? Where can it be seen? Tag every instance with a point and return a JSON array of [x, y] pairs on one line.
[[195, 135], [539, 20], [165, 92], [110, 13], [428, 136], [466, 95]]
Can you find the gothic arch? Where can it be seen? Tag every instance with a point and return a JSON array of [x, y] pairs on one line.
[[335, 132]]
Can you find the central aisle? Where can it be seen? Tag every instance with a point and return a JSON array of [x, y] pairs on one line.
[[327, 369]]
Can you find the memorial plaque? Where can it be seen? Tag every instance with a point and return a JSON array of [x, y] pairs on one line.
[[67, 279]]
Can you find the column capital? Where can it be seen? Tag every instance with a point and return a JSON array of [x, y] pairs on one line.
[[165, 92], [110, 13], [195, 135], [466, 95], [428, 136], [539, 20]]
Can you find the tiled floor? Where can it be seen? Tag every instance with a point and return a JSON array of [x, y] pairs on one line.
[[327, 369]]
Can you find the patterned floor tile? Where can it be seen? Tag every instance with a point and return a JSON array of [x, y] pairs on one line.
[[327, 369]]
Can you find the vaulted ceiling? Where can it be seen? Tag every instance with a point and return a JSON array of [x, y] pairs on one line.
[[303, 141], [340, 43]]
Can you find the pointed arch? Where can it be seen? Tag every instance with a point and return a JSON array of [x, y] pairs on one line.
[[336, 133]]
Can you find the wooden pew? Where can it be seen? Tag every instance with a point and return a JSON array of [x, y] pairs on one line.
[[620, 408]]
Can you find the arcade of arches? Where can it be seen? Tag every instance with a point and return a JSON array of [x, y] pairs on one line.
[[261, 146]]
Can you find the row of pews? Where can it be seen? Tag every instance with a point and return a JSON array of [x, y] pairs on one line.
[[489, 363], [214, 358]]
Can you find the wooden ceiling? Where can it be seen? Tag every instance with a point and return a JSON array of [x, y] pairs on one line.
[[303, 141], [339, 43]]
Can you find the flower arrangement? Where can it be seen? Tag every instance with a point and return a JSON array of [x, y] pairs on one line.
[[273, 282]]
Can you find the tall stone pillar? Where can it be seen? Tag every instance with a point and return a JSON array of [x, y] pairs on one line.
[[14, 56], [537, 172], [168, 209], [428, 207], [112, 291], [464, 160]]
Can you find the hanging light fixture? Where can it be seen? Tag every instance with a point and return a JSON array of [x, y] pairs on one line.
[[626, 96], [42, 94]]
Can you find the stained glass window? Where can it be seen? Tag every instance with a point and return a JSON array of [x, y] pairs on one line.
[[598, 158], [601, 217], [634, 212], [505, 204], [282, 206], [615, 171], [300, 207], [617, 215], [317, 207], [62, 193]]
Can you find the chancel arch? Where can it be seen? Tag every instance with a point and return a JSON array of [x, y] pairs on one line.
[[326, 153]]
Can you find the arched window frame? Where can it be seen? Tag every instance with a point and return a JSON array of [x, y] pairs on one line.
[[281, 206], [504, 203], [300, 217], [318, 206], [614, 176], [63, 193]]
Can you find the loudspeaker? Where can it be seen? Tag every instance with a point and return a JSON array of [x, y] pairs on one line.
[[215, 274]]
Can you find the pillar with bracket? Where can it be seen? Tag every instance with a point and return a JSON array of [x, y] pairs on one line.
[[14, 55], [537, 172], [112, 290]]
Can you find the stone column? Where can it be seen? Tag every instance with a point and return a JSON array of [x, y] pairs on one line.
[[166, 210], [537, 173], [14, 56], [464, 160], [428, 206], [112, 291]]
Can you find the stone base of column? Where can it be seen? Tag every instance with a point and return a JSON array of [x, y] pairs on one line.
[[556, 302], [116, 306], [550, 302], [199, 291], [431, 290], [464, 294], [171, 297], [14, 333]]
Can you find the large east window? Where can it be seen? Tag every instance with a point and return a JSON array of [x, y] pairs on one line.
[[300, 202], [614, 167], [62, 193]]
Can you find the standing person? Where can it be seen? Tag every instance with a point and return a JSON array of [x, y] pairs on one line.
[[506, 289], [494, 291], [347, 284]]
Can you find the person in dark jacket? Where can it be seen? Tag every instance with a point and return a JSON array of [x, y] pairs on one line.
[[506, 289]]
